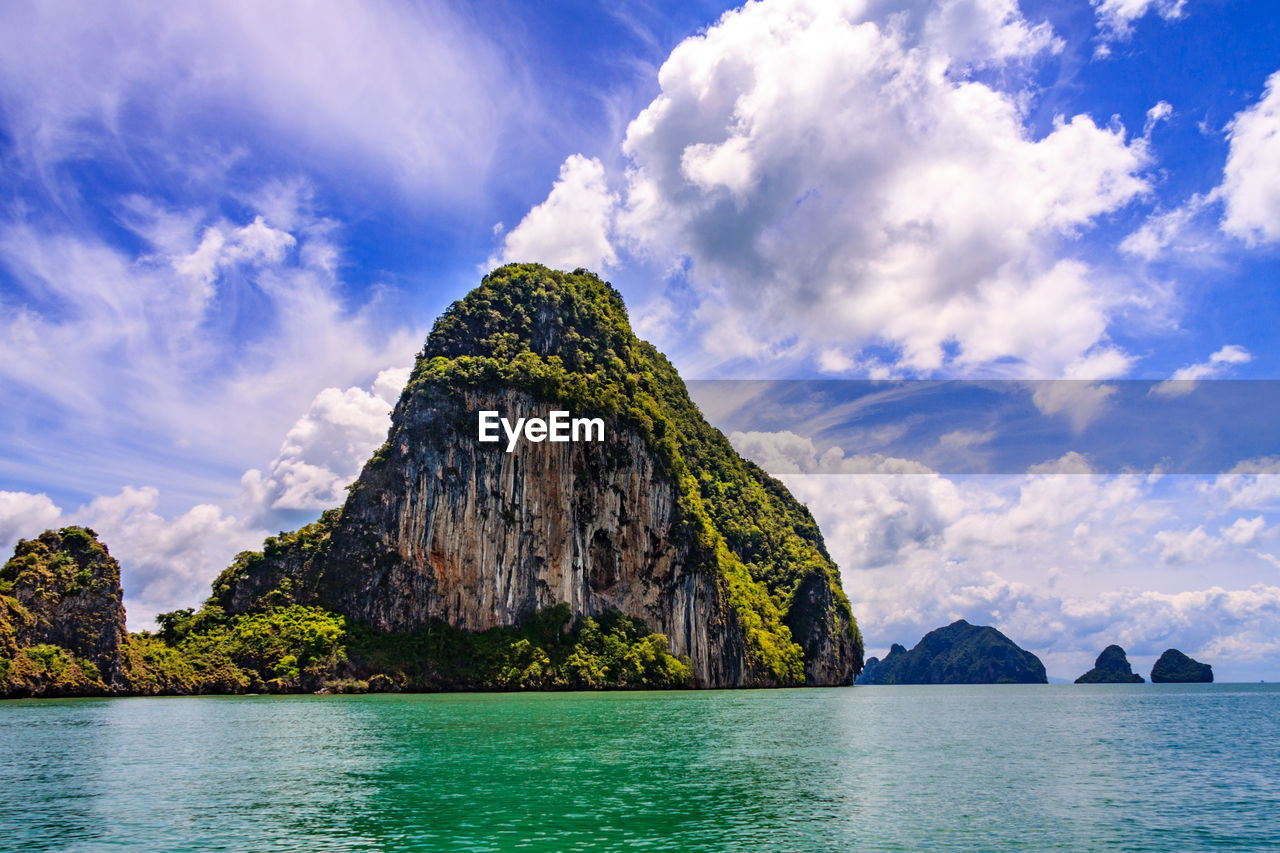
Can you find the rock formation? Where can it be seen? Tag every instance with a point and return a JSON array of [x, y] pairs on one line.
[[959, 653], [1175, 667], [661, 521], [1111, 667], [61, 617]]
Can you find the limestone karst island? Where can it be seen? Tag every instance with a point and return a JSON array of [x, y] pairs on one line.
[[650, 556]]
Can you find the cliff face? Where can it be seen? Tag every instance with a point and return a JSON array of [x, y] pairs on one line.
[[61, 617], [445, 527], [661, 520], [1174, 667], [821, 626], [1111, 667], [959, 653]]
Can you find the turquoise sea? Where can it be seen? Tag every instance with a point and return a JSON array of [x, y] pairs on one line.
[[1052, 767]]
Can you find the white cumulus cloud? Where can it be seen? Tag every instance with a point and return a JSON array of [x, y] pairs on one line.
[[979, 33], [1248, 485], [323, 452], [165, 563], [168, 561], [1229, 354], [222, 247], [786, 452], [1244, 531], [1186, 231], [1251, 178], [1248, 198], [24, 516], [1079, 401], [1185, 546], [571, 228], [834, 181]]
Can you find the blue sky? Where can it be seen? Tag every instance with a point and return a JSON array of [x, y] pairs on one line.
[[225, 230]]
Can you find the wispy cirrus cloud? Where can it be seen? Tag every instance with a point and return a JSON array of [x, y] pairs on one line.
[[1116, 17], [205, 343], [410, 94], [1186, 379]]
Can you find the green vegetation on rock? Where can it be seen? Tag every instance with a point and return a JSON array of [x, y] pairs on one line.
[[546, 652], [282, 573], [297, 648], [61, 617]]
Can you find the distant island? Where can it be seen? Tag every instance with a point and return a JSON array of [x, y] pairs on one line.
[[959, 653], [1174, 667], [1111, 667], [654, 557]]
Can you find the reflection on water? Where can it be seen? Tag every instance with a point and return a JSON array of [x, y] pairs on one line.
[[1143, 767]]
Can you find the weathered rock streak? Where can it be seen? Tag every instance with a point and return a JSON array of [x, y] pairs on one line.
[[446, 527]]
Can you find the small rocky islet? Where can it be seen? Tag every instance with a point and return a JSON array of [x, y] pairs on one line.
[[1111, 667], [961, 653], [1174, 667], [62, 630]]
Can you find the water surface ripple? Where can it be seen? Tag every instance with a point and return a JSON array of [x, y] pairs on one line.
[[1054, 767]]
